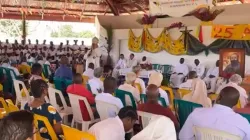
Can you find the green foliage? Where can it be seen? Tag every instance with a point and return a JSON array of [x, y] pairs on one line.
[[12, 28], [67, 31]]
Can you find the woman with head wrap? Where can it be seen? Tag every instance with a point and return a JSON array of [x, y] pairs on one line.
[[159, 128], [156, 78], [198, 94]]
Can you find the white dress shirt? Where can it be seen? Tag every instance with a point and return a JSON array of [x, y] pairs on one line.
[[186, 85], [89, 72], [106, 97], [213, 71], [15, 71], [218, 117], [181, 68], [95, 83], [131, 89], [242, 91], [109, 129], [164, 95], [121, 63], [200, 70], [142, 84], [131, 63]]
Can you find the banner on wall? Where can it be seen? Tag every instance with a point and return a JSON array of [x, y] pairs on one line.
[[237, 32], [172, 7]]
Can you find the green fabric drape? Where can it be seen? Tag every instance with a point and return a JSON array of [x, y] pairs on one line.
[[194, 46]]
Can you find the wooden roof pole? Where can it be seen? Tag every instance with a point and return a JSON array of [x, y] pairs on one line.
[[112, 7]]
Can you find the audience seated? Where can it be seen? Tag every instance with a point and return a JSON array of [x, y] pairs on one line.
[[129, 87], [13, 66], [36, 72], [153, 107], [110, 86], [64, 71], [89, 71], [180, 71], [115, 128], [246, 109], [219, 117], [159, 128], [211, 77], [188, 84], [77, 88], [95, 83], [5, 63], [17, 125], [198, 94], [198, 68], [234, 81], [136, 70], [156, 79], [39, 90]]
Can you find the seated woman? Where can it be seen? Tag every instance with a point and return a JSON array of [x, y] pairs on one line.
[[39, 90], [198, 94]]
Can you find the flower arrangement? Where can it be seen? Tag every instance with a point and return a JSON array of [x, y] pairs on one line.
[[175, 25], [205, 14], [146, 19]]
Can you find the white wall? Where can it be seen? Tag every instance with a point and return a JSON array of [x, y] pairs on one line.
[[120, 41]]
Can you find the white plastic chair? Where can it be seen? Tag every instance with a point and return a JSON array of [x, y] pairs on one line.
[[65, 110], [77, 113], [106, 110], [145, 117], [18, 90], [211, 134]]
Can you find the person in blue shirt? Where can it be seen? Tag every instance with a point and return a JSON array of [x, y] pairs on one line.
[[64, 72]]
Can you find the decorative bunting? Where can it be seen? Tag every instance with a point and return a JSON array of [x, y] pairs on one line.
[[152, 44], [175, 47], [135, 43]]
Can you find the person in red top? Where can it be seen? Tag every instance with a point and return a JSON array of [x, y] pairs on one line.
[[246, 109], [152, 106], [77, 88]]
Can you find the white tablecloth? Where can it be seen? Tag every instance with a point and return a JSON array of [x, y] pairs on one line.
[[143, 73]]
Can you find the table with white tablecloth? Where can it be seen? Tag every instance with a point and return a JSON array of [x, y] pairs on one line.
[[143, 73]]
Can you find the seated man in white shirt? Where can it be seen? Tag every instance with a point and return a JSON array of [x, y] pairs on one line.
[[14, 68], [220, 117], [121, 64], [32, 58], [188, 84], [199, 68], [211, 78], [136, 70], [131, 61], [110, 86], [234, 81], [179, 73], [115, 128], [145, 63], [156, 79], [129, 87], [89, 71], [95, 83]]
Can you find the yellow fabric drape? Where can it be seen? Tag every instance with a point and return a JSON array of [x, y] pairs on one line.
[[175, 47], [135, 43], [152, 44]]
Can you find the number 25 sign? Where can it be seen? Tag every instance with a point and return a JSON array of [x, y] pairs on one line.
[[237, 32]]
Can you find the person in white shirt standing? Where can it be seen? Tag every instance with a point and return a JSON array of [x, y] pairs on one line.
[[199, 68], [121, 64], [188, 84], [220, 117], [115, 128], [179, 73], [211, 77], [234, 81], [94, 54], [95, 83], [89, 71], [129, 87], [110, 86], [131, 61]]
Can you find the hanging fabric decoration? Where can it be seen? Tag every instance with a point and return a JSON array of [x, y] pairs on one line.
[[152, 44], [174, 47], [135, 43]]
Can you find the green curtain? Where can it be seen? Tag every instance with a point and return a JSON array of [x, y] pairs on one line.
[[194, 46]]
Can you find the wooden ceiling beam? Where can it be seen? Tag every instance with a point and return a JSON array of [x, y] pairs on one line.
[[139, 7], [112, 7]]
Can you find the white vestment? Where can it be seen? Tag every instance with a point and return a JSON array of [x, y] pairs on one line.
[[93, 58], [121, 64], [200, 70], [131, 63], [177, 79], [211, 82]]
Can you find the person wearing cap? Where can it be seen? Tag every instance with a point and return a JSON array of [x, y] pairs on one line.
[[234, 81], [94, 54]]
